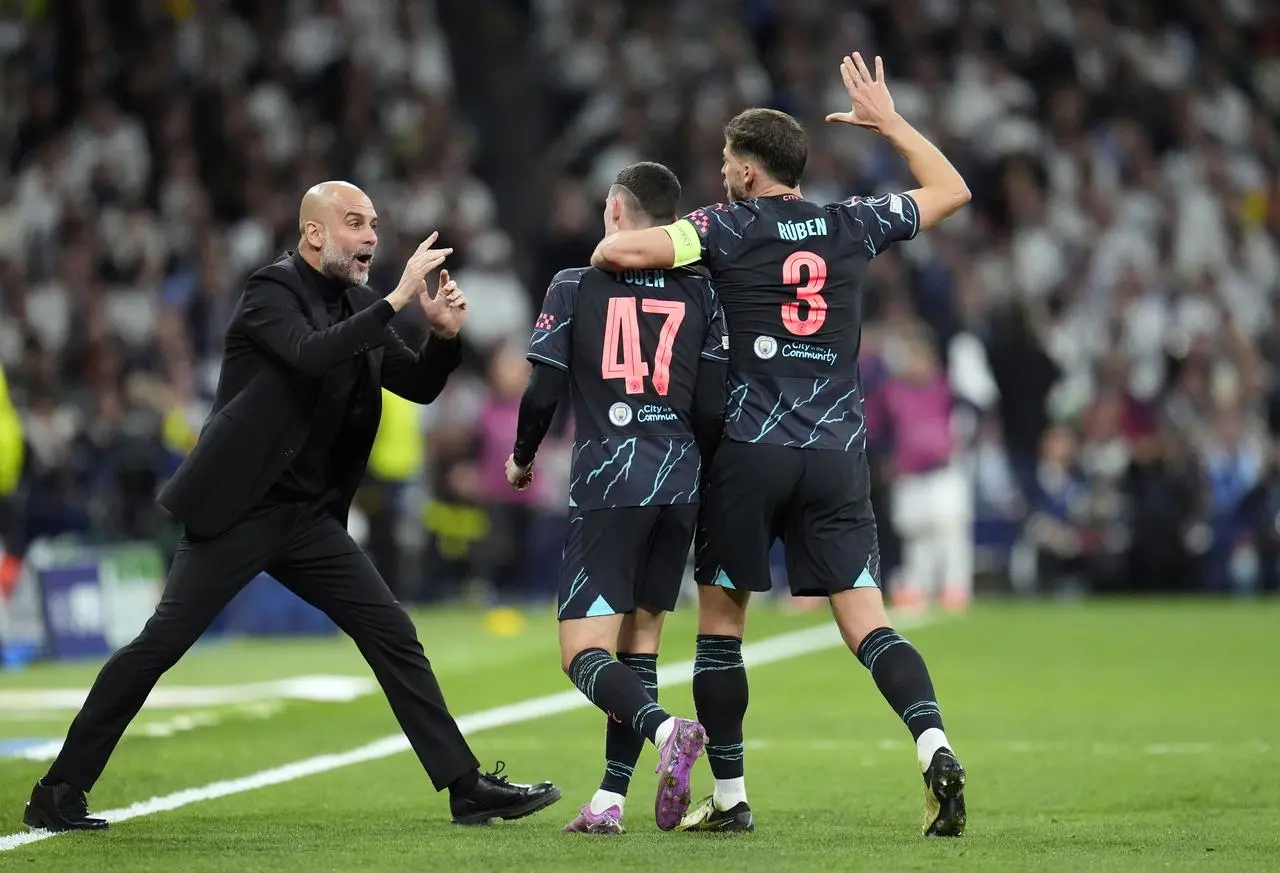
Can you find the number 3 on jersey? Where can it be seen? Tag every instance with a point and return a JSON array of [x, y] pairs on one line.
[[623, 358], [810, 292]]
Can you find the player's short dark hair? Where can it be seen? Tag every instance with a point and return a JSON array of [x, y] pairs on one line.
[[774, 139], [649, 189]]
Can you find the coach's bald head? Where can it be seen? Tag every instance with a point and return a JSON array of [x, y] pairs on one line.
[[338, 231]]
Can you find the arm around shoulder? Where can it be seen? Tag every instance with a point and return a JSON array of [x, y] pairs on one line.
[[650, 249]]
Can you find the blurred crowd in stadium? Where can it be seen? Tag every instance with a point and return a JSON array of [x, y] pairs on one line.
[[1105, 311]]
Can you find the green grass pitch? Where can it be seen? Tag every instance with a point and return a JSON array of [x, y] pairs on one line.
[[1111, 735]]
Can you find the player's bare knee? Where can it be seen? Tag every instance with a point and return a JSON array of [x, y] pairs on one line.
[[569, 653], [579, 634], [569, 650], [858, 612], [722, 612], [641, 630]]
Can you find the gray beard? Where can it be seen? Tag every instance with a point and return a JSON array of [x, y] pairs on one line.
[[336, 265]]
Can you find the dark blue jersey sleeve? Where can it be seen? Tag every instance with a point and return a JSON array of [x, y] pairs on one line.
[[881, 221], [552, 339]]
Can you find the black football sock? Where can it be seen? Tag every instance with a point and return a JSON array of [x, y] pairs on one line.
[[617, 691], [622, 745], [903, 679], [720, 696]]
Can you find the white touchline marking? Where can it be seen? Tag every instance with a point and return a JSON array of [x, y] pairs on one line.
[[777, 648], [321, 689], [810, 745], [185, 721]]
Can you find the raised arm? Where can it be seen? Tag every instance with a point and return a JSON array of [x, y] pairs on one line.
[[942, 189]]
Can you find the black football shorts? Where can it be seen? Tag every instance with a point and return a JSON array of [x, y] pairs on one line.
[[817, 501], [616, 559]]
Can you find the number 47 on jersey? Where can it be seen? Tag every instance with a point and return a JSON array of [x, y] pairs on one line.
[[623, 357]]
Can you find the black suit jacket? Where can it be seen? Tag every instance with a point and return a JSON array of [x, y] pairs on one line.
[[280, 346]]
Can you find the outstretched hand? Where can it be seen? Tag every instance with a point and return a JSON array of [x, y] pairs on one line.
[[446, 310], [872, 105]]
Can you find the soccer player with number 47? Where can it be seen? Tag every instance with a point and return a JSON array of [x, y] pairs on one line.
[[792, 460], [642, 356]]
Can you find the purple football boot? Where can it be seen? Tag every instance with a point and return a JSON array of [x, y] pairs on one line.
[[605, 824], [675, 761]]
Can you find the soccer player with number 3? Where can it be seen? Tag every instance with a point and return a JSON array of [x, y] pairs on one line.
[[792, 463], [643, 352]]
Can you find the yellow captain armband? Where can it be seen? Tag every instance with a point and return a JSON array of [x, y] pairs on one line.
[[684, 236]]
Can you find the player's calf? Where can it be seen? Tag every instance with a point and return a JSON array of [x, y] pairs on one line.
[[602, 815], [621, 694], [720, 693], [614, 687], [720, 690], [903, 678], [622, 746], [638, 641]]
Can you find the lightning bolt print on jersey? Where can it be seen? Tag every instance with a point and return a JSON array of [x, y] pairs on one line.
[[789, 275], [631, 343]]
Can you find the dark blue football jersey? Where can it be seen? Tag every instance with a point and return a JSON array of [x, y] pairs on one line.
[[789, 275], [632, 343]]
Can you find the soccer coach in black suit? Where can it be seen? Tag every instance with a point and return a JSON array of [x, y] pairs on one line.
[[268, 487]]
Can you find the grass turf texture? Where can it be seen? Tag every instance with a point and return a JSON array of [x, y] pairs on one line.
[[1099, 736]]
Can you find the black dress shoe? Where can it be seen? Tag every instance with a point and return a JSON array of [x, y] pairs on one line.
[[60, 808], [495, 797]]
